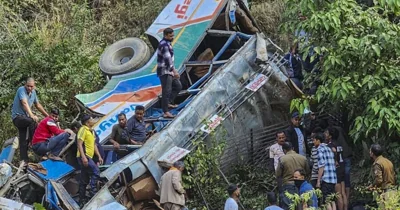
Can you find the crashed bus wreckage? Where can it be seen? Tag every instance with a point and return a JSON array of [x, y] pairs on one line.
[[232, 77]]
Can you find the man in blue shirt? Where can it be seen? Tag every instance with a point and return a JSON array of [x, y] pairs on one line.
[[136, 127], [23, 117], [272, 201], [232, 202], [305, 187], [169, 76]]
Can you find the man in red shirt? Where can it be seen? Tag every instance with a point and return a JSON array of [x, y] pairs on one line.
[[49, 138]]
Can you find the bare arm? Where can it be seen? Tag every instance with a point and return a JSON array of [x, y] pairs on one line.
[[26, 107], [336, 155], [41, 109], [113, 134], [320, 173], [114, 142], [80, 149]]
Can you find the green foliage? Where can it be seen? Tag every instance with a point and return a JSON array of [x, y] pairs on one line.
[[382, 200], [305, 200], [268, 14], [204, 178], [38, 206], [56, 50], [128, 18], [360, 55], [300, 104], [255, 182], [203, 174], [388, 200], [59, 44]]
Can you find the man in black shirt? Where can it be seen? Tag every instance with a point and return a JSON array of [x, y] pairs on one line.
[[295, 135], [116, 134]]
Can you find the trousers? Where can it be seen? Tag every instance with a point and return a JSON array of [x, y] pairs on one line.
[[89, 175], [170, 89], [54, 145], [284, 200], [26, 127], [172, 206]]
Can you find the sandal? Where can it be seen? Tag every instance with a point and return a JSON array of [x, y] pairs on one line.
[[55, 158], [169, 115], [172, 106]]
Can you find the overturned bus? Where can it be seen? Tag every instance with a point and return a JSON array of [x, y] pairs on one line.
[[232, 76]]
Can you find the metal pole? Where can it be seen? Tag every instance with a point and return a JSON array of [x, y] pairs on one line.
[[251, 146], [201, 193], [226, 180]]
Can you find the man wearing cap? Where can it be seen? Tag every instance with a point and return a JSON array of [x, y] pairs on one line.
[[86, 150], [49, 138], [23, 117], [232, 202], [295, 135], [171, 190]]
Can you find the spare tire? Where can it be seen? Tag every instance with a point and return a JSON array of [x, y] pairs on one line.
[[124, 56]]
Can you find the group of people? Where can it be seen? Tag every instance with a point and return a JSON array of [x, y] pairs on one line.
[[299, 170], [47, 139], [327, 164], [324, 164]]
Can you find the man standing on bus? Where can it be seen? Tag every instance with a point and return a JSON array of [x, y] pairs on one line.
[[169, 76]]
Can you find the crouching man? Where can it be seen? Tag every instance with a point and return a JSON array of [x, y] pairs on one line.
[[49, 138], [86, 150]]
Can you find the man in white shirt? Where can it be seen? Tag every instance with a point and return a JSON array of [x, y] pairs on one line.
[[232, 202], [275, 151]]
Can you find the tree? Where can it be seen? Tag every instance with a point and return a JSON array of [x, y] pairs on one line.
[[360, 50], [59, 44]]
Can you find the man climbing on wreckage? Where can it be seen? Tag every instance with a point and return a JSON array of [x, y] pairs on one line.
[[23, 117], [49, 139], [86, 150]]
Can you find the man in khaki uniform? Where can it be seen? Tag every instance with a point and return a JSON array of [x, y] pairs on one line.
[[172, 193], [382, 169], [384, 175], [287, 165]]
